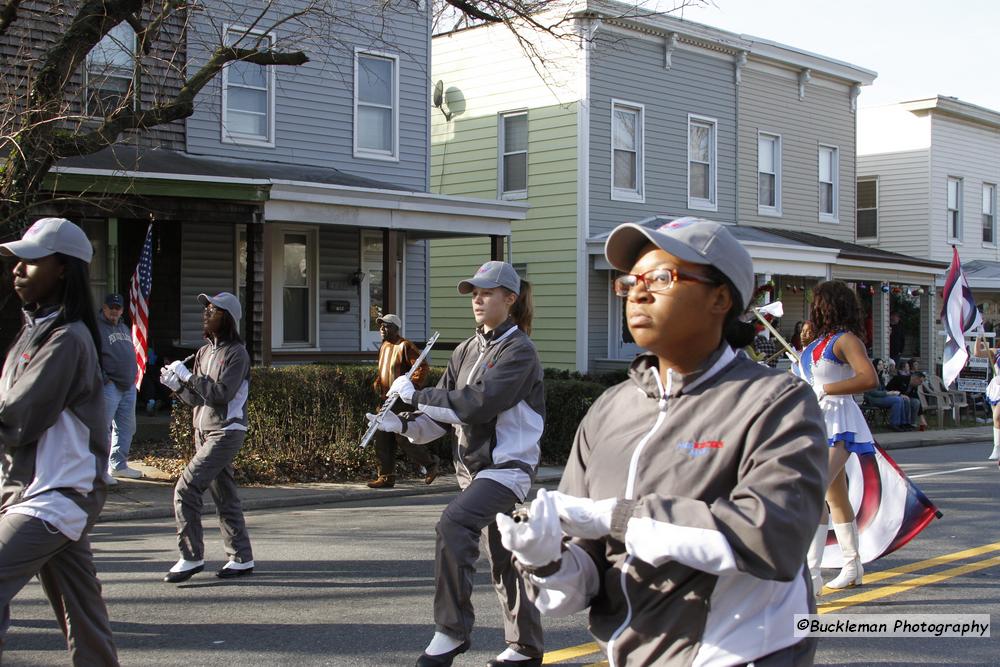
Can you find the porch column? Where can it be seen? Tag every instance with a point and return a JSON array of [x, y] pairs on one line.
[[253, 309], [390, 271], [880, 324], [496, 248], [267, 245], [929, 358]]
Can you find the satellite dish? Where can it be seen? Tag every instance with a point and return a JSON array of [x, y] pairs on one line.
[[439, 94]]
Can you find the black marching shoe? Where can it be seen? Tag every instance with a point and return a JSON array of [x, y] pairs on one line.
[[184, 575], [443, 659], [530, 662], [232, 572]]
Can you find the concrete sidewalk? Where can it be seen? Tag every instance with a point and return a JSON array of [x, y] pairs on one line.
[[152, 497]]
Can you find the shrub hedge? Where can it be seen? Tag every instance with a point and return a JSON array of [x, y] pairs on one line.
[[304, 422]]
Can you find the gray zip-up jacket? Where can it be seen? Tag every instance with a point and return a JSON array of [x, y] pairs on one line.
[[492, 395], [117, 352], [53, 430], [720, 477], [218, 387]]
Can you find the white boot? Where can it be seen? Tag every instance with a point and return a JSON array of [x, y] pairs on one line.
[[996, 444], [853, 570], [814, 558]]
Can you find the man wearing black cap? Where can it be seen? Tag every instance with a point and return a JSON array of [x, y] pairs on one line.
[[119, 366], [396, 357]]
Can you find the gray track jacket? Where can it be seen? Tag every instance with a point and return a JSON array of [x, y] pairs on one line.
[[492, 395], [721, 476], [218, 387], [53, 429]]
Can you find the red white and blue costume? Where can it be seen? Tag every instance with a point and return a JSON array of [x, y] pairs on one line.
[[993, 388], [845, 422]]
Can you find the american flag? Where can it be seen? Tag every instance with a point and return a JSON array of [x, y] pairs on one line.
[[138, 304]]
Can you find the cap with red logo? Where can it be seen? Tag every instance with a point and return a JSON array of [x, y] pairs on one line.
[[691, 239], [49, 236]]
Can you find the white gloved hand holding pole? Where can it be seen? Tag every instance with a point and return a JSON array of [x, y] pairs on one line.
[[169, 379], [179, 369], [537, 541], [390, 423], [404, 388], [583, 517]]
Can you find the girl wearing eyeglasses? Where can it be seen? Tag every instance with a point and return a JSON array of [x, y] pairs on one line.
[[693, 488]]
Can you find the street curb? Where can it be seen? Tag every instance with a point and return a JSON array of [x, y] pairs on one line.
[[966, 440], [296, 499]]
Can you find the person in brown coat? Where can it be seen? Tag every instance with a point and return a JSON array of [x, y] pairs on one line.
[[396, 357]]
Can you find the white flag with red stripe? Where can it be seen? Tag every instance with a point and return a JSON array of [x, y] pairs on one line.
[[959, 316], [138, 304]]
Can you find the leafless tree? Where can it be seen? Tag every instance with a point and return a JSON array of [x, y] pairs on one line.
[[77, 76]]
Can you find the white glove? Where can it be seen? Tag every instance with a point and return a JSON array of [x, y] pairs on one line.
[[537, 541], [404, 388], [390, 422], [172, 366], [583, 517], [182, 372], [169, 379]]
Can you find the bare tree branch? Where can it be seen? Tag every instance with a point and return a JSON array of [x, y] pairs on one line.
[[8, 14]]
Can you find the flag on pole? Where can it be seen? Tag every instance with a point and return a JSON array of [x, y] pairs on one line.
[[138, 304], [959, 316]]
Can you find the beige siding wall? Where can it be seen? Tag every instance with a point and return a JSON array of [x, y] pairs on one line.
[[769, 102], [903, 200]]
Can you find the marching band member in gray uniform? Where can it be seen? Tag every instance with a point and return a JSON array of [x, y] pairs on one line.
[[492, 396], [693, 488], [54, 439], [217, 389]]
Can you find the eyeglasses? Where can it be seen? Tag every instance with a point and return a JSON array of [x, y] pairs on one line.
[[212, 310], [657, 280]]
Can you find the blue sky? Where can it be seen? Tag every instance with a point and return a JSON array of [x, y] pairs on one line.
[[920, 48]]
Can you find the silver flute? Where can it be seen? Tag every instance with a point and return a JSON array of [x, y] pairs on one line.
[[390, 401]]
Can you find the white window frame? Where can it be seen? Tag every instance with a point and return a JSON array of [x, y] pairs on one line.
[[368, 153], [87, 72], [697, 203], [833, 216], [617, 349], [502, 193], [857, 218], [239, 230], [638, 195], [992, 213], [239, 138], [776, 209], [958, 210], [277, 285]]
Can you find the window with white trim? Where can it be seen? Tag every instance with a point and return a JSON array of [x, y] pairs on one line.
[[376, 106], [247, 95], [621, 344], [768, 174], [512, 143], [954, 210], [701, 163], [294, 288], [829, 168], [110, 71], [867, 210], [989, 213], [627, 151]]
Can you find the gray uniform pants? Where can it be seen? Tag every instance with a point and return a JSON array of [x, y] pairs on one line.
[[467, 525], [30, 546], [211, 469]]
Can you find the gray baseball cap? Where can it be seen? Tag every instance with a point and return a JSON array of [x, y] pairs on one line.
[[691, 239], [389, 318], [490, 275], [49, 236], [225, 301]]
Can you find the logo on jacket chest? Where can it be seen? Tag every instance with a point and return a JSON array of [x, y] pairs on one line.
[[696, 448]]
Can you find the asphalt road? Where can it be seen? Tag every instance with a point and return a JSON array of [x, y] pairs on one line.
[[352, 584]]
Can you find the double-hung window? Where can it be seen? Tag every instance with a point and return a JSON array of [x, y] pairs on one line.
[[376, 106], [829, 167], [867, 221], [954, 210], [702, 163], [512, 142], [248, 94], [110, 71], [768, 174], [627, 151], [989, 213]]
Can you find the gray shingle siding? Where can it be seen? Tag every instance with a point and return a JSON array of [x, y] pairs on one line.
[[415, 290], [339, 253], [314, 103], [208, 258], [632, 70]]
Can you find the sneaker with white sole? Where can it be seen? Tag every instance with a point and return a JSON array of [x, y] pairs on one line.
[[127, 473], [109, 480]]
